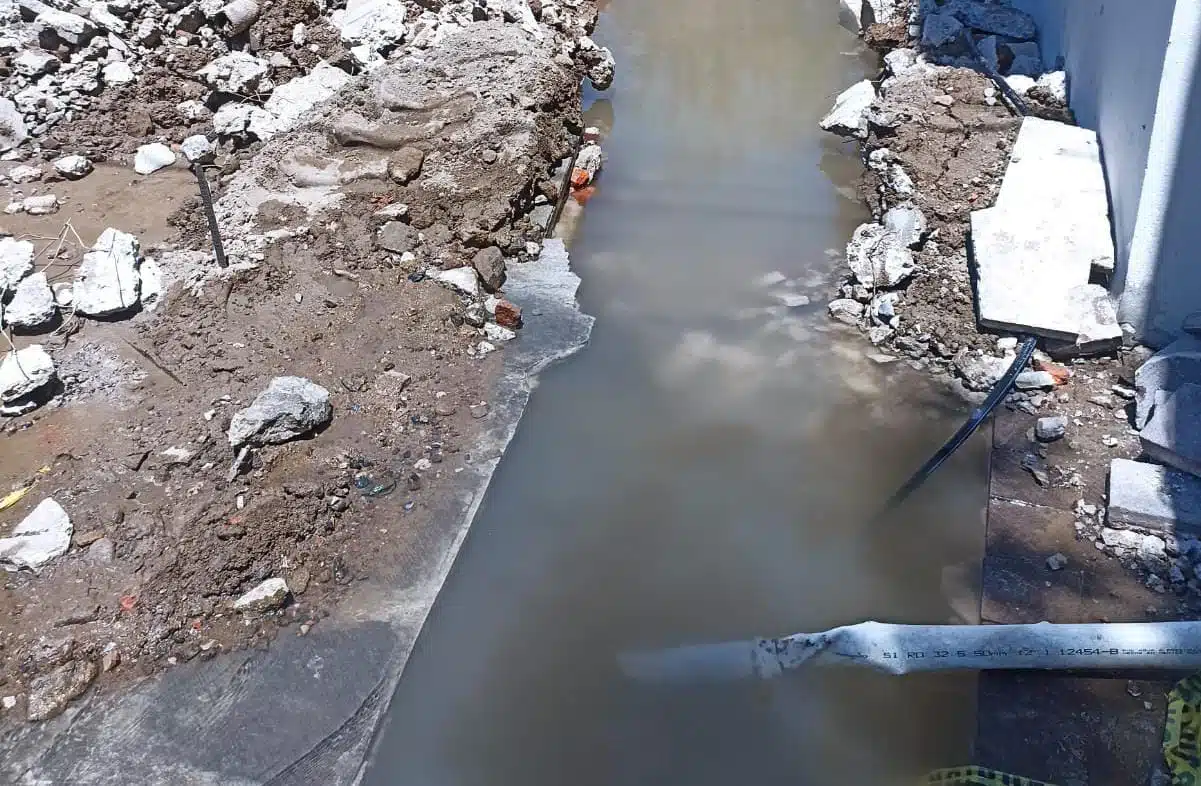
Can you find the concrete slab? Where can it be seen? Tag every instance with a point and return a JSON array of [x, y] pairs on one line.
[[1056, 168], [1173, 434], [1153, 497], [1027, 269]]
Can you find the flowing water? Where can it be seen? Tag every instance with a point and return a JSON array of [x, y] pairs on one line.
[[704, 470]]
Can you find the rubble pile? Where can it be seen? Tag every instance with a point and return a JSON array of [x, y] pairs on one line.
[[377, 167]]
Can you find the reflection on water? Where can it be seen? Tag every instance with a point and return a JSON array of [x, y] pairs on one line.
[[705, 470]]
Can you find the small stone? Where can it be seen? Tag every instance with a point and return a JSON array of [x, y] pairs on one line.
[[152, 157], [878, 258], [110, 658], [8, 702], [908, 223], [271, 594], [24, 174], [239, 73], [289, 408], [479, 411], [405, 164], [34, 63], [1056, 562], [73, 167], [496, 333], [1007, 344], [1035, 380], [1051, 428], [198, 149], [490, 264]]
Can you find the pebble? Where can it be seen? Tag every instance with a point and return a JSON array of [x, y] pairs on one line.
[[1049, 429], [1056, 562], [41, 205]]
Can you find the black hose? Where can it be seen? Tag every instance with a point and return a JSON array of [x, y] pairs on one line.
[[206, 197], [978, 416]]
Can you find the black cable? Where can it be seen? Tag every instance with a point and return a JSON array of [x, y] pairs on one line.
[[206, 197], [978, 416]]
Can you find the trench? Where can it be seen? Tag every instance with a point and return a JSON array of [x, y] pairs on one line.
[[705, 469]]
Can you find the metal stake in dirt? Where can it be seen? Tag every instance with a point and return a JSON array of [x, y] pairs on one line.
[[206, 197]]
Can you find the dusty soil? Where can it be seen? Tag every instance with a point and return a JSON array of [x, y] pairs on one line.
[[134, 446]]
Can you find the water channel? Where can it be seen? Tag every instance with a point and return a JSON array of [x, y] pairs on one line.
[[705, 468]]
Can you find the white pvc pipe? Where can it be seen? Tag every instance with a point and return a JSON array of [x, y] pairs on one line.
[[905, 649]]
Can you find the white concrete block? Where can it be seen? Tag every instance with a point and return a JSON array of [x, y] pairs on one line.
[[1027, 268], [1056, 168]]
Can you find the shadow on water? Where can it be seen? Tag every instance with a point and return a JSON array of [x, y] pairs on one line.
[[706, 468]]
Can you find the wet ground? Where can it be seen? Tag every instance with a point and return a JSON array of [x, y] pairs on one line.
[[705, 469]]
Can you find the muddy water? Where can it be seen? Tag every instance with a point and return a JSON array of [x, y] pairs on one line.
[[704, 469]]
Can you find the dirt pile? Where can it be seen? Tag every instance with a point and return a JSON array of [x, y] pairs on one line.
[[368, 242]]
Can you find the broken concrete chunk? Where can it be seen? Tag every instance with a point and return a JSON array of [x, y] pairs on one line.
[[153, 284], [108, 281], [997, 18], [12, 126], [980, 372], [373, 24], [878, 258], [291, 100], [461, 279], [290, 407], [24, 174], [598, 61], [849, 115], [40, 537], [271, 594], [1097, 326], [490, 264], [847, 311], [32, 305], [197, 149], [118, 73], [234, 119], [40, 205], [73, 167], [23, 372], [1173, 434], [33, 62], [1024, 58], [908, 223], [16, 261], [943, 33], [50, 693], [1153, 497], [152, 157], [71, 28], [106, 19], [238, 16], [1165, 371], [1055, 87], [239, 73]]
